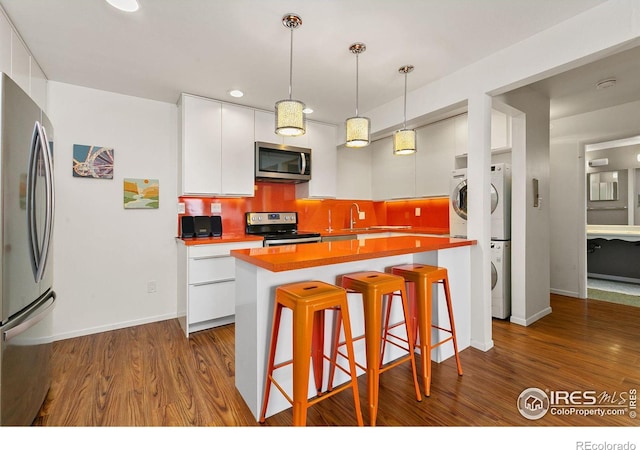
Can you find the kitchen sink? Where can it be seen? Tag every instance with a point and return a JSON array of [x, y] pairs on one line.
[[379, 227]]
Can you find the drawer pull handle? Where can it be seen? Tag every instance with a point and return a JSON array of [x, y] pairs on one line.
[[204, 283]]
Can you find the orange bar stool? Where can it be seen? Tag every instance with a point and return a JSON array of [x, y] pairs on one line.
[[374, 287], [422, 277], [309, 301]]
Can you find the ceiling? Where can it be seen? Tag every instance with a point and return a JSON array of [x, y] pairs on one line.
[[208, 47]]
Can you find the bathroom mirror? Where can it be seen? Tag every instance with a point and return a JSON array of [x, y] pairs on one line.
[[603, 186]]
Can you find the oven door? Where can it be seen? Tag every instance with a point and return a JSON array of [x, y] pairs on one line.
[[285, 241]]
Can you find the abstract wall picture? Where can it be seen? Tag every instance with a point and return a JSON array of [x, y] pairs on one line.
[[91, 161], [141, 193]]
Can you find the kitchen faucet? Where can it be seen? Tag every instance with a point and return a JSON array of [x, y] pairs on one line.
[[352, 221]]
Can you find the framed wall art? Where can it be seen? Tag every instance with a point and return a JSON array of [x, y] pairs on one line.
[[91, 161], [141, 193]]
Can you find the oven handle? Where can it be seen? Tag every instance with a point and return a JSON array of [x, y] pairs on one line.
[[309, 240]]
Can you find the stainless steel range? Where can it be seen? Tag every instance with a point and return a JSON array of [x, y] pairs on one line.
[[278, 228]]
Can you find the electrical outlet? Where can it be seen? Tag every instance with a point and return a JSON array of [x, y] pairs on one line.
[[216, 208], [417, 212], [151, 286], [361, 216]]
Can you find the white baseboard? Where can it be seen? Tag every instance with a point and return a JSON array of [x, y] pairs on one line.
[[111, 327], [565, 293], [482, 345], [529, 320]]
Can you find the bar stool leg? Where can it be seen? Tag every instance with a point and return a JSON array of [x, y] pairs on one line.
[[302, 341], [317, 349], [445, 283], [348, 337], [424, 300], [410, 338], [277, 314], [372, 319]]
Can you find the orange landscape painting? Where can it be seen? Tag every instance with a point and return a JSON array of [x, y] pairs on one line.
[[141, 193]]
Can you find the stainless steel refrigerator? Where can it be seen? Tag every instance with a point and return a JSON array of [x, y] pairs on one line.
[[26, 225]]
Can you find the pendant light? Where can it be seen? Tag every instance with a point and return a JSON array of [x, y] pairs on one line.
[[404, 141], [290, 118], [357, 127]]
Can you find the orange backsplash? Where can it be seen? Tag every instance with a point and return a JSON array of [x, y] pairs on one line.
[[313, 215]]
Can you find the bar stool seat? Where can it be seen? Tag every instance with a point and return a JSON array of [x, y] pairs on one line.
[[422, 277], [374, 287], [308, 301]]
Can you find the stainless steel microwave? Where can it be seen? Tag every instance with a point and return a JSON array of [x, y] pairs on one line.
[[282, 163]]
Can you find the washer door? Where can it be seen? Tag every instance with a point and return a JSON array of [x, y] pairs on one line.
[[459, 199], [494, 275], [494, 198]]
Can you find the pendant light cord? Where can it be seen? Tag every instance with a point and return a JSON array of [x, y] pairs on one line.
[[404, 125], [357, 55], [291, 64]]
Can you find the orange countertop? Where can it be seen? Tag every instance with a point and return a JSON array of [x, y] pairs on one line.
[[224, 239], [293, 257]]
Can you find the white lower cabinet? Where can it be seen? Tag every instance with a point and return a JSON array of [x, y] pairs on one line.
[[206, 285]]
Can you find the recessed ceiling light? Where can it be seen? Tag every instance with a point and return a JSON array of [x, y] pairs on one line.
[[307, 110], [125, 5], [236, 93], [604, 84]]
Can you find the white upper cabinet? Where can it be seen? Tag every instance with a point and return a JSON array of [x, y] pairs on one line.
[[393, 177], [354, 173], [238, 172], [17, 62], [20, 63], [434, 159], [215, 136], [5, 45], [500, 133], [38, 85], [462, 134], [265, 127], [324, 161], [201, 122]]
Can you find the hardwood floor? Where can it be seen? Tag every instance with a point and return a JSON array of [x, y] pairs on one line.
[[151, 375]]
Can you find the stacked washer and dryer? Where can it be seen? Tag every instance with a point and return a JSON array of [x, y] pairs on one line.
[[500, 230]]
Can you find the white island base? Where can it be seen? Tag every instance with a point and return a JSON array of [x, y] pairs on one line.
[[255, 291]]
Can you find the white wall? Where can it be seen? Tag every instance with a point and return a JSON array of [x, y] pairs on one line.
[[568, 217], [531, 233], [103, 254]]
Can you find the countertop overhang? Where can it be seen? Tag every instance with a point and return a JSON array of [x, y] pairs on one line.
[[623, 232], [301, 256]]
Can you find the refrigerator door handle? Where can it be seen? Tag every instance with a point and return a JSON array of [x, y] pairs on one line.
[[34, 250], [24, 325], [50, 204]]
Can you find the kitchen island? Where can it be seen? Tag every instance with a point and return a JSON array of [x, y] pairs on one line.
[[260, 270]]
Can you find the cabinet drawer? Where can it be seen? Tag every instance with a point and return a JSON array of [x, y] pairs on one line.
[[211, 268], [211, 301]]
